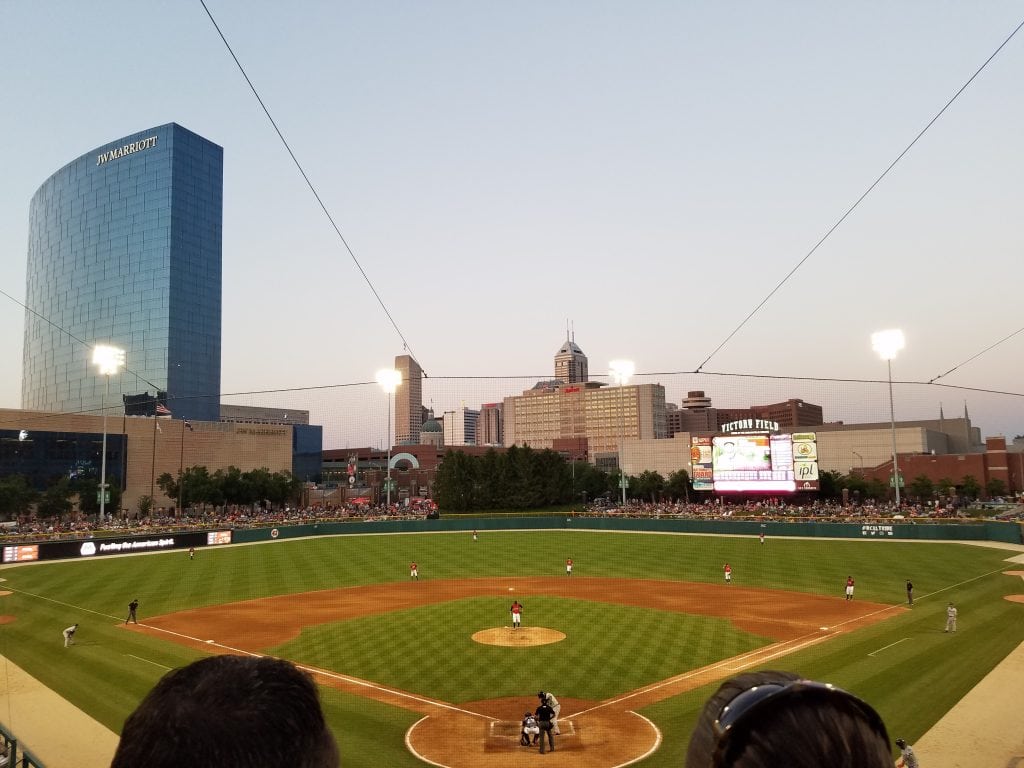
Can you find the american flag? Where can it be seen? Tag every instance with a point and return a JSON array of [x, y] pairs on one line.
[[162, 410], [188, 426]]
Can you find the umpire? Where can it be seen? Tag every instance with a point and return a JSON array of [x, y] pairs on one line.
[[545, 715]]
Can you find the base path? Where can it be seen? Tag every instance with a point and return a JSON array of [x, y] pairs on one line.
[[485, 734]]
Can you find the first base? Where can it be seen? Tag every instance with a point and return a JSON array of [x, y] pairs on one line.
[[510, 589]]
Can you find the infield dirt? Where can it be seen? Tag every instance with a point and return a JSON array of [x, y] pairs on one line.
[[484, 734]]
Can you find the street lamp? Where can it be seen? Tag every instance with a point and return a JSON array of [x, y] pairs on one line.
[[861, 461], [621, 370], [109, 360], [887, 344], [389, 379]]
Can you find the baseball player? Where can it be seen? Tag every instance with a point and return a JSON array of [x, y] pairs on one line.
[[849, 587], [546, 697], [69, 635], [950, 618], [517, 614], [568, 566], [530, 730], [907, 757], [727, 569], [474, 534], [760, 537], [133, 606], [191, 553], [414, 571]]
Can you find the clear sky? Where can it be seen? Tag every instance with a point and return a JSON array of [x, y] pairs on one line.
[[648, 170]]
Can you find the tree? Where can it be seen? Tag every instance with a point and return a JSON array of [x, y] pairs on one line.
[[678, 485], [56, 500], [830, 484], [16, 496], [145, 505], [946, 487], [649, 484], [876, 489], [970, 486], [995, 487], [922, 487]]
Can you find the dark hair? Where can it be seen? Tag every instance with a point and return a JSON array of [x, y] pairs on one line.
[[790, 721], [229, 712]]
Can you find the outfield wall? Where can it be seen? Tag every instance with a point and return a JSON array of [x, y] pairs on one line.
[[78, 549]]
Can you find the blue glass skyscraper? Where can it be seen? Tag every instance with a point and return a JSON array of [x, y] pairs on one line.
[[125, 249]]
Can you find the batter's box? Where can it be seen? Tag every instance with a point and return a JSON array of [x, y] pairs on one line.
[[510, 729]]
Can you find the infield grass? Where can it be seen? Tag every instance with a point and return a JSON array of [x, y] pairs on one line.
[[610, 649]]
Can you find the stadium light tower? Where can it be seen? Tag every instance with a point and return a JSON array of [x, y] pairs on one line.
[[109, 360], [887, 345], [621, 370], [389, 379]]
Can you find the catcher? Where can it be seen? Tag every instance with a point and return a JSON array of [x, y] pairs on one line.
[[530, 730]]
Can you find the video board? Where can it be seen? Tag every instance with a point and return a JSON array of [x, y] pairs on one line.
[[776, 463]]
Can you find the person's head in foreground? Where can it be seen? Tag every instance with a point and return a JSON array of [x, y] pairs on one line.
[[229, 712], [769, 719]]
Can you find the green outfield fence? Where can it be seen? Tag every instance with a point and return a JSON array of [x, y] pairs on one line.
[[16, 755], [982, 531], [881, 529]]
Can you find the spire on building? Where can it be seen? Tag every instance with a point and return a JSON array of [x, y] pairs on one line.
[[570, 362]]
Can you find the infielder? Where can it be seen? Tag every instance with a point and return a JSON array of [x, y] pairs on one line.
[[414, 571], [549, 699], [517, 614], [728, 573], [950, 618], [69, 635], [568, 566], [849, 587]]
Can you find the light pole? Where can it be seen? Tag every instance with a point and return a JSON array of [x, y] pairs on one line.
[[389, 379], [887, 344], [861, 461], [621, 370], [109, 360]]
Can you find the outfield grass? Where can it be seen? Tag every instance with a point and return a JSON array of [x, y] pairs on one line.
[[427, 649]]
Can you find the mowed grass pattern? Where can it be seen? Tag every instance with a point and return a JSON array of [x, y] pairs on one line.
[[912, 684], [608, 650]]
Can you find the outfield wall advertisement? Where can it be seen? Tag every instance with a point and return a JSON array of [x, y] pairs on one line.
[[87, 548]]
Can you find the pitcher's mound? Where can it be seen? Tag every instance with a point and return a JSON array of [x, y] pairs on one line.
[[524, 637]]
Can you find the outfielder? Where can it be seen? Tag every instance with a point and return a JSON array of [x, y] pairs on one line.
[[950, 618], [549, 699], [69, 635]]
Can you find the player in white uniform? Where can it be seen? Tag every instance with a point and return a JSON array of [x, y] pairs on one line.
[[69, 634], [548, 698], [950, 618], [530, 730]]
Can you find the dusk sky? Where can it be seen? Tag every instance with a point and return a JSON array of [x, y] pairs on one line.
[[648, 171]]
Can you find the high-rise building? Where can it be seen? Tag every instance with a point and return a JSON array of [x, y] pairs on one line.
[[571, 364], [603, 415], [489, 427], [408, 401], [125, 249], [460, 426]]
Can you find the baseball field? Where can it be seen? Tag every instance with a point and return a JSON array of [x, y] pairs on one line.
[[430, 670]]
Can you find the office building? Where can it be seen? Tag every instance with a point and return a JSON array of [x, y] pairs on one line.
[[603, 415], [408, 401], [460, 427], [489, 427], [571, 364], [125, 249]]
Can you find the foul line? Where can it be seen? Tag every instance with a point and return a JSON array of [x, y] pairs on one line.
[[147, 661], [890, 645]]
